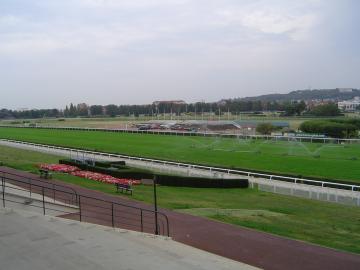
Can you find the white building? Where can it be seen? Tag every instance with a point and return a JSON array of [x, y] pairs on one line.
[[349, 105]]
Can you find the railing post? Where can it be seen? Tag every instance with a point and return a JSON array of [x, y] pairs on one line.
[[141, 220], [3, 190], [79, 208], [30, 188], [54, 191], [112, 215], [43, 200], [155, 207]]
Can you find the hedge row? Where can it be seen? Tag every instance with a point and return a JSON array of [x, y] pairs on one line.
[[335, 129], [163, 179], [200, 182]]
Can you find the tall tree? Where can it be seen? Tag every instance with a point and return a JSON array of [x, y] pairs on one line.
[[96, 110]]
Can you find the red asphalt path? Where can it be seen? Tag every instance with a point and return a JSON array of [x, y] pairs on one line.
[[256, 248]]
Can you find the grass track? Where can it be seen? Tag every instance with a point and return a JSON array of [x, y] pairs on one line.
[[327, 224], [327, 161]]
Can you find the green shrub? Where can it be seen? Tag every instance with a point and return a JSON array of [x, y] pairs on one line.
[[331, 128], [330, 109], [265, 128]]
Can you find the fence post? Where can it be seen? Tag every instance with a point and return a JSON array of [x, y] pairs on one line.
[[54, 191], [3, 190], [112, 215], [80, 208], [141, 220], [155, 206], [43, 200]]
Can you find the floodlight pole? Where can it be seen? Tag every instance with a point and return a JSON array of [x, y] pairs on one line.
[[155, 206]]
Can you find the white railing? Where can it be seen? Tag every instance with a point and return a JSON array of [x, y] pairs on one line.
[[211, 169], [202, 134]]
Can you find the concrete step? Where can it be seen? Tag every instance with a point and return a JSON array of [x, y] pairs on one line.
[[32, 241]]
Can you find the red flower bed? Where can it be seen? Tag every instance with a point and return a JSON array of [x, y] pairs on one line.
[[87, 174], [58, 168], [104, 178]]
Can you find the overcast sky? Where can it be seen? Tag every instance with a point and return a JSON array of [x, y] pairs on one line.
[[53, 52]]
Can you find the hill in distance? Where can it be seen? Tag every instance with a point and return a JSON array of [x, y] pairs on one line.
[[336, 94]]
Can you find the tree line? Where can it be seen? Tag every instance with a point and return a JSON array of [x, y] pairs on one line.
[[232, 106]]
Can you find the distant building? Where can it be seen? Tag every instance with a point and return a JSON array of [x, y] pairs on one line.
[[172, 102], [349, 105], [344, 90], [23, 109], [311, 104]]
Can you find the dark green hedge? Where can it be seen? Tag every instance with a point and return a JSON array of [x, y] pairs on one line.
[[105, 164], [162, 179], [200, 182], [338, 129]]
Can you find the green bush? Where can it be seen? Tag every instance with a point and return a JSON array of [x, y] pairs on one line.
[[351, 121], [103, 164], [330, 109], [331, 128], [265, 128]]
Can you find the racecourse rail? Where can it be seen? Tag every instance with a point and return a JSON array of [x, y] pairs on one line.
[[295, 180], [314, 139]]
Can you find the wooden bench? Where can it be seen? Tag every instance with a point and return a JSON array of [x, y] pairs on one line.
[[45, 174], [124, 187]]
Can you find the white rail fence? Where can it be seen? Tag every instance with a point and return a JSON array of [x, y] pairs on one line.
[[313, 189]]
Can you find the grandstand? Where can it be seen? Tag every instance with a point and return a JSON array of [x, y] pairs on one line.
[[32, 235], [33, 241]]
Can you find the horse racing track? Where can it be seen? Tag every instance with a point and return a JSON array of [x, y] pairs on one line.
[[327, 161]]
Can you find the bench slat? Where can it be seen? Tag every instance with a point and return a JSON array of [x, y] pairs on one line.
[[123, 187]]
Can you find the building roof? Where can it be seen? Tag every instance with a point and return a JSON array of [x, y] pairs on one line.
[[169, 102]]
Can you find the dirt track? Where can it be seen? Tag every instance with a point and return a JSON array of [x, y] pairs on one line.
[[252, 247]]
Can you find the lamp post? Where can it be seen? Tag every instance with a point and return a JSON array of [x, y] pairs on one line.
[[155, 206]]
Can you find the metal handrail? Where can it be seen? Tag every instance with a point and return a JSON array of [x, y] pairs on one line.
[[41, 181], [80, 203]]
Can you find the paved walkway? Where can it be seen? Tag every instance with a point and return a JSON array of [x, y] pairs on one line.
[[245, 245], [33, 241]]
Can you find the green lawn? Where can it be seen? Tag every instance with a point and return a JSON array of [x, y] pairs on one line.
[[327, 224], [328, 161]]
